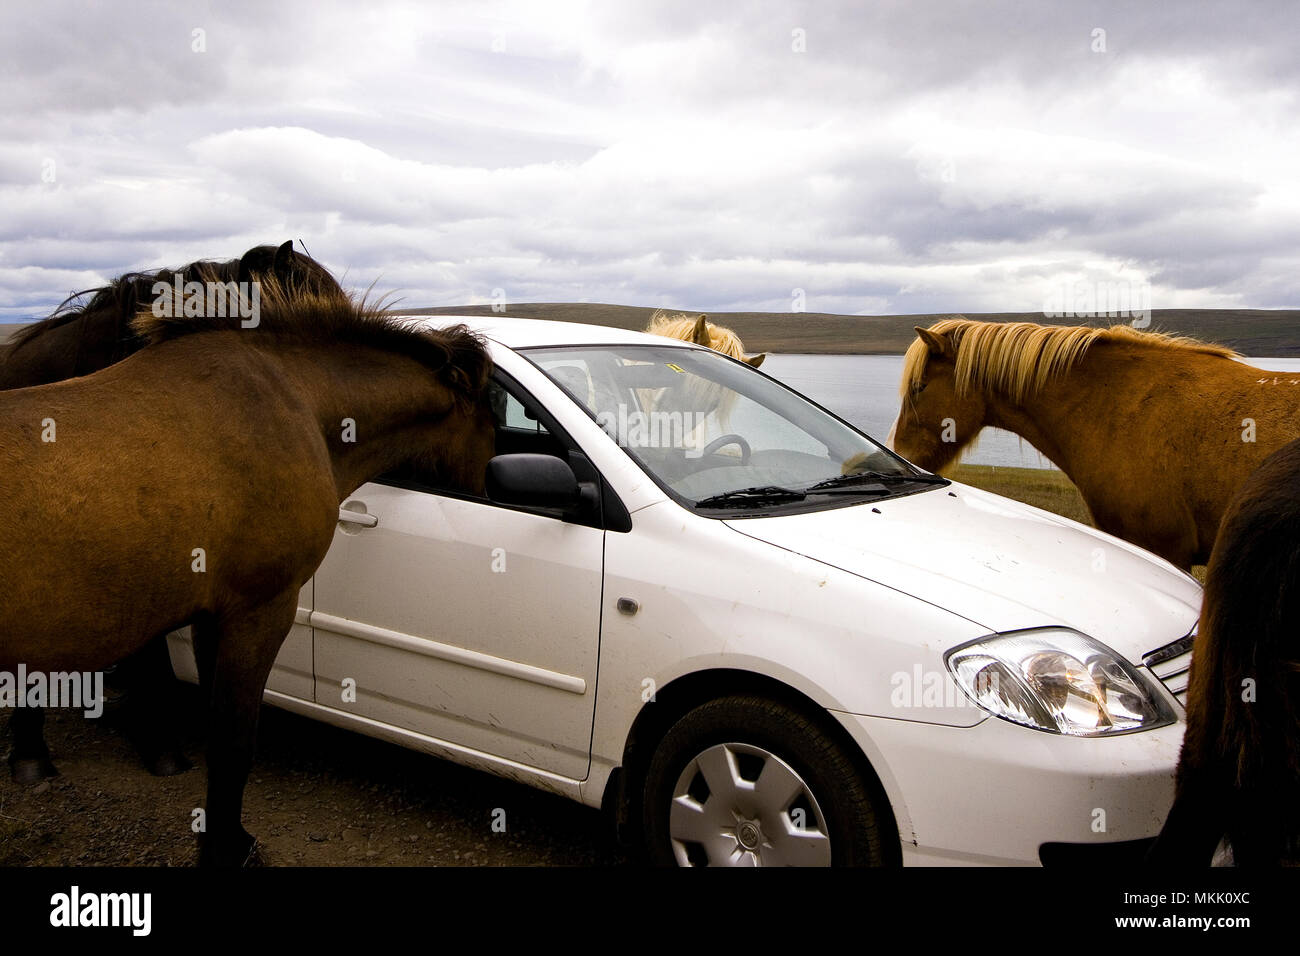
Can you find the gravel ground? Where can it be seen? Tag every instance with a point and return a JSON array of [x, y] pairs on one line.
[[317, 796]]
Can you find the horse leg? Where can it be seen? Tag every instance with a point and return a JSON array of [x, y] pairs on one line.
[[151, 705], [203, 638], [1262, 831], [246, 646], [29, 760], [1196, 823]]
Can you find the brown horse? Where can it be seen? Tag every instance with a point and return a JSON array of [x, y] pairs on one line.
[[82, 337], [198, 482], [1239, 771], [1156, 431]]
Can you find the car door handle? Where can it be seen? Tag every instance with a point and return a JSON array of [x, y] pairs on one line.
[[358, 517]]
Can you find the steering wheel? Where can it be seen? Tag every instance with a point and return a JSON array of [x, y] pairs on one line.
[[725, 440]]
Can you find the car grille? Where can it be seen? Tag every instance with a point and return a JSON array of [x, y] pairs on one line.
[[1172, 665]]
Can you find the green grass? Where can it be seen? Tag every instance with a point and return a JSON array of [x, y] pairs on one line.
[[1041, 487]]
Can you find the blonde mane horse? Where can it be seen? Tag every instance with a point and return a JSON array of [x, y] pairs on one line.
[[1157, 431], [702, 332], [700, 396]]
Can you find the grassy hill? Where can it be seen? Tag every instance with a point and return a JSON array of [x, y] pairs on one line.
[[1266, 332], [1271, 332]]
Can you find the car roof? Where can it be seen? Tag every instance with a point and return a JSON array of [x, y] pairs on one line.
[[518, 333]]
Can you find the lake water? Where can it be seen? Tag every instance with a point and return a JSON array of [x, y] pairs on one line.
[[863, 389]]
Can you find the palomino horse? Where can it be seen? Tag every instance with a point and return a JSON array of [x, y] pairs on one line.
[[702, 332], [1239, 771], [699, 397], [80, 339], [1156, 431], [198, 482]]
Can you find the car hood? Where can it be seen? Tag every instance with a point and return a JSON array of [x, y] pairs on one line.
[[999, 563]]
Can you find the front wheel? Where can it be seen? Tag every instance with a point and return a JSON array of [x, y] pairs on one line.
[[746, 781]]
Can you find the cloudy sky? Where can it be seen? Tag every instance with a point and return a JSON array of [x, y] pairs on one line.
[[883, 156]]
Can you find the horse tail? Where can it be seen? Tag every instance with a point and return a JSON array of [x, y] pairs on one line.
[[1239, 770]]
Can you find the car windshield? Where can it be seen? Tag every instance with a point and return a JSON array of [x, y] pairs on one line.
[[720, 436]]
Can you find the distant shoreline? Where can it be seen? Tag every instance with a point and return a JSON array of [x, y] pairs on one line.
[[1271, 333]]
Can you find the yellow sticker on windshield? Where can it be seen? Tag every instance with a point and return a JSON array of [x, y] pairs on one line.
[[676, 368]]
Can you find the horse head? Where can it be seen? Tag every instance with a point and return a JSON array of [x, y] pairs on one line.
[[721, 339], [703, 332], [91, 330], [294, 271], [937, 419], [461, 445]]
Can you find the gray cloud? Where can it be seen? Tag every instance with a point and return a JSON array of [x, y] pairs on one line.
[[915, 157]]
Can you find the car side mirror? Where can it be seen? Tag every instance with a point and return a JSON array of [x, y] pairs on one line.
[[538, 481]]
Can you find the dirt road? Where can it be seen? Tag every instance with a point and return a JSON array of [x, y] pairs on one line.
[[318, 796]]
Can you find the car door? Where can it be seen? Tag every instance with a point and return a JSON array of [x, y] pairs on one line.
[[291, 674], [463, 620]]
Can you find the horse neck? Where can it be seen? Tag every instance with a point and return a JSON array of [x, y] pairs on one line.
[[87, 343], [1062, 418], [1092, 405], [1035, 427], [373, 407]]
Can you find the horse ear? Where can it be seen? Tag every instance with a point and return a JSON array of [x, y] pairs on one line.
[[246, 267], [700, 334], [936, 342], [283, 259], [754, 361]]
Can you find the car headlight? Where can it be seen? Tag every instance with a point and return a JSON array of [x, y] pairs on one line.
[[1059, 681]]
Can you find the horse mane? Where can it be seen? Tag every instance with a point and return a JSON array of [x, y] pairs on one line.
[[124, 295], [129, 292], [678, 325], [313, 316], [1019, 358], [700, 393]]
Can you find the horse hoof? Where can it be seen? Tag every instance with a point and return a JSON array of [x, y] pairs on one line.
[[168, 764], [29, 771], [241, 852]]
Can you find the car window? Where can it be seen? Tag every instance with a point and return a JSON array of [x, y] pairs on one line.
[[516, 416], [704, 426]]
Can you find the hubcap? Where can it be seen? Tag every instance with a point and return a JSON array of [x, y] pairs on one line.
[[740, 805]]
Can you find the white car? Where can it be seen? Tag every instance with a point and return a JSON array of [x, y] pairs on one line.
[[751, 633]]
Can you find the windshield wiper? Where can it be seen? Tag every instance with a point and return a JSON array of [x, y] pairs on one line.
[[874, 478], [752, 497], [860, 483]]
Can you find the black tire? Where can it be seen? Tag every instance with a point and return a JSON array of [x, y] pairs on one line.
[[836, 806]]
